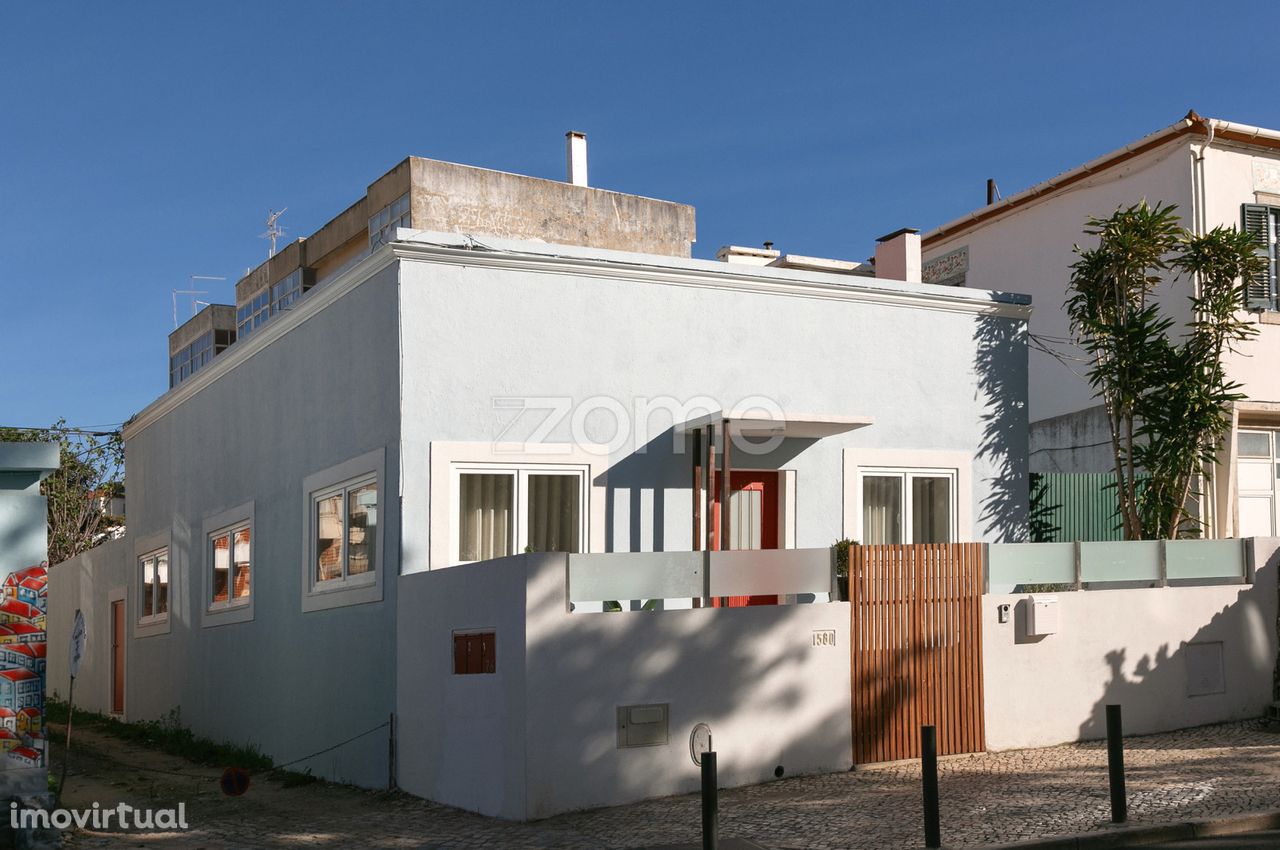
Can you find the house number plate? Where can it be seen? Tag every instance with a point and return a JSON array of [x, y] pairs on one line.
[[824, 637]]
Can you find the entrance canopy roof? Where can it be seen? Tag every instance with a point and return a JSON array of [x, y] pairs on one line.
[[758, 422]]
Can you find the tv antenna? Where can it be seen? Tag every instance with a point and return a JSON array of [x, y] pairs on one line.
[[274, 231], [193, 292]]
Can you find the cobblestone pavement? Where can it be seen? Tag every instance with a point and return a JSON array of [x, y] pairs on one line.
[[988, 798]]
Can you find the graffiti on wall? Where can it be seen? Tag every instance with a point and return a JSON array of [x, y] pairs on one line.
[[23, 603]]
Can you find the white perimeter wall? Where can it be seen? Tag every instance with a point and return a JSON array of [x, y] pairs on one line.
[[1128, 647], [461, 739], [547, 722]]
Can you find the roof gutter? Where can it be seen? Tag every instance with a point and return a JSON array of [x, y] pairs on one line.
[[1191, 124]]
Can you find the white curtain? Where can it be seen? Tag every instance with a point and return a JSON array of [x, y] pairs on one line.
[[485, 516], [881, 509], [930, 509], [746, 508], [553, 513]]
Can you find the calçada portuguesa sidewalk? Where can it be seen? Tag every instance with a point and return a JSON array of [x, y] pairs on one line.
[[987, 799]]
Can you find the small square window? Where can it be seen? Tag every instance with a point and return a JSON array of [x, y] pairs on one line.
[[346, 531], [153, 570], [342, 561], [230, 560]]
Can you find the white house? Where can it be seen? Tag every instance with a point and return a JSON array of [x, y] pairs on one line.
[[467, 365], [1217, 173]]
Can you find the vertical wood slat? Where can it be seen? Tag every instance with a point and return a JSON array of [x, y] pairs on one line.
[[916, 652]]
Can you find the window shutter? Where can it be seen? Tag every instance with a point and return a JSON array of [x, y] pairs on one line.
[[1260, 223]]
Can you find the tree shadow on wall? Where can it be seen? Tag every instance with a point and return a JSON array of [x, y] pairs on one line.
[[1001, 369], [1194, 683]]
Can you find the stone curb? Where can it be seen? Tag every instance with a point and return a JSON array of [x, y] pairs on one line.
[[1139, 835]]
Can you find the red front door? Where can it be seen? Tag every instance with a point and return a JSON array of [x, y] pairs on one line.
[[753, 520]]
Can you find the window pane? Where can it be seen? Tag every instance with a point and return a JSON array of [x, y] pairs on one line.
[[484, 515], [930, 509], [221, 567], [240, 588], [1254, 476], [881, 509], [148, 587], [1256, 516], [329, 537], [554, 513], [1254, 444], [362, 530], [745, 510], [162, 583]]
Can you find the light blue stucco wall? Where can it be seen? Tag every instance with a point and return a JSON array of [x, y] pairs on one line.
[[416, 354], [931, 379], [289, 681], [23, 523]]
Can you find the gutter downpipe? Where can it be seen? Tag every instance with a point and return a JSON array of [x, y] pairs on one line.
[[1209, 503]]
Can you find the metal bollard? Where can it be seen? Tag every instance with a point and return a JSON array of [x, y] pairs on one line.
[[710, 803], [929, 776], [1115, 765]]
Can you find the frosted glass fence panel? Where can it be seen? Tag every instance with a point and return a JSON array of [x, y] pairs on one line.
[[762, 572], [1012, 564], [1201, 559], [635, 575], [1131, 560]]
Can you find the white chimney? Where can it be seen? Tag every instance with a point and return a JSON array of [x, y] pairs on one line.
[[898, 255], [575, 157]]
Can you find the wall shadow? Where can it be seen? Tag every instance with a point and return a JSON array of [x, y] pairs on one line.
[[1001, 369], [1198, 668], [663, 464]]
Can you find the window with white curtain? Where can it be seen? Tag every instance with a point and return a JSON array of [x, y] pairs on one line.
[[908, 506], [506, 510]]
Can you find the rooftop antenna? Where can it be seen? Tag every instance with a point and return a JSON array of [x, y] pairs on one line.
[[193, 292], [274, 230]]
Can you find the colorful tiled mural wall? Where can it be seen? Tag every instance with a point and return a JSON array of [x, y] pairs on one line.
[[22, 667]]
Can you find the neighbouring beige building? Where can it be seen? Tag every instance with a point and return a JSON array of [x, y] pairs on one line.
[[1218, 173]]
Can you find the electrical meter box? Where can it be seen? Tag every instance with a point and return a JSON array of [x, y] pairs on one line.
[[1042, 616]]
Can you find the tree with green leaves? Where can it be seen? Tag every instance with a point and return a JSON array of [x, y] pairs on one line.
[[80, 492], [1164, 387]]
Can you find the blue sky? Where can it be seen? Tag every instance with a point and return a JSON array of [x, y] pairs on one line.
[[145, 142]]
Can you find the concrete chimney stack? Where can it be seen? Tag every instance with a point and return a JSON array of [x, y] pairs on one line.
[[575, 157], [898, 255]]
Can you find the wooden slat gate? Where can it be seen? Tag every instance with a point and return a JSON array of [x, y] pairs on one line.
[[917, 648]]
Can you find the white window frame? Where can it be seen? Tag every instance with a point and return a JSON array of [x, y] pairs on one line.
[[368, 468], [591, 460], [907, 474], [145, 547], [233, 610], [520, 500], [925, 461], [1273, 437]]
